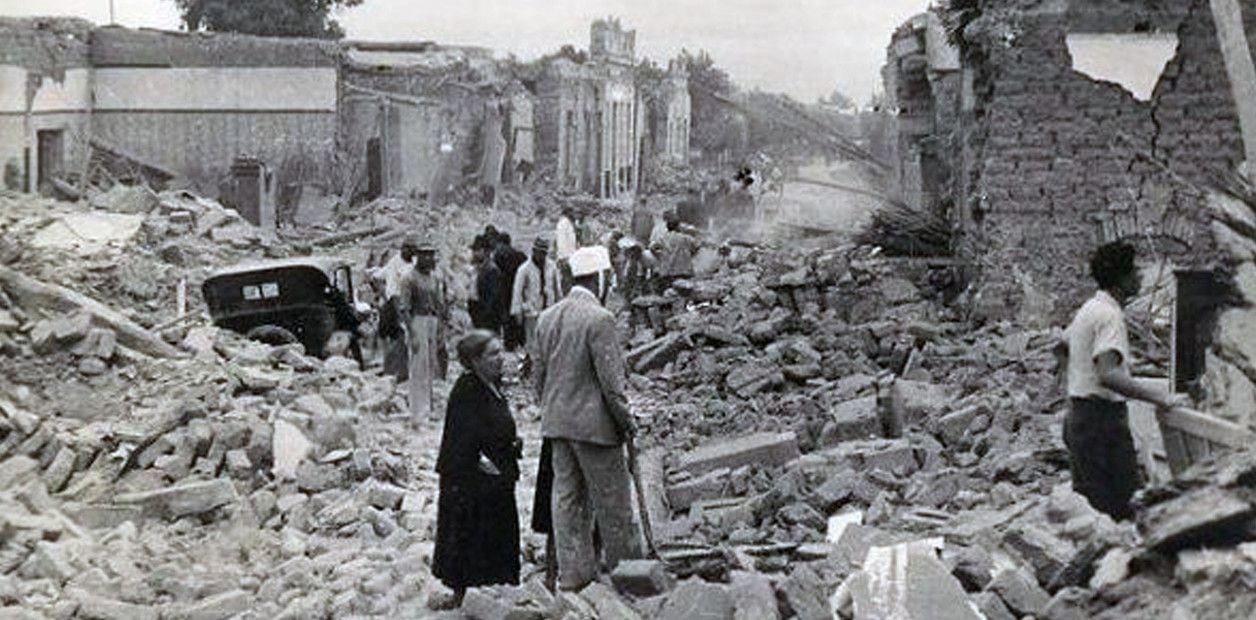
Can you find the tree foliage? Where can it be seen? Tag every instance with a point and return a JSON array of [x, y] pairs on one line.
[[713, 124], [281, 18]]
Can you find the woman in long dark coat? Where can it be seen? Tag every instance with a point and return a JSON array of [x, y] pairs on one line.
[[477, 523]]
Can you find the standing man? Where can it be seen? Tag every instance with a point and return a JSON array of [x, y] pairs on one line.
[[424, 307], [580, 380], [485, 305], [1101, 451], [508, 261], [392, 325], [642, 223], [536, 288], [675, 251]]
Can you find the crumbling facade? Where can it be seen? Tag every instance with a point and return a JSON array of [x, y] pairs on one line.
[[671, 116], [193, 103], [590, 118], [922, 85], [45, 100], [414, 116]]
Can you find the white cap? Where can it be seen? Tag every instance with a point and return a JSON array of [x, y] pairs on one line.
[[589, 260]]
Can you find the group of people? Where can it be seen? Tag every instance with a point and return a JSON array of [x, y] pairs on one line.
[[584, 481], [556, 309]]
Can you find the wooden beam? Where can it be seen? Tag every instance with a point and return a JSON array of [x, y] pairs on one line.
[[1195, 424], [1228, 17]]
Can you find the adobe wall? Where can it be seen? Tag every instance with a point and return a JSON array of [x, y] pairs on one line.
[[1059, 162]]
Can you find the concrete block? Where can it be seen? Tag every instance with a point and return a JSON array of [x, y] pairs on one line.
[[1067, 604], [183, 499], [698, 599], [764, 449], [805, 594], [991, 606], [238, 463], [753, 597], [641, 577], [1194, 517], [218, 607], [711, 485], [384, 495], [101, 608], [1020, 592], [607, 603], [103, 516], [58, 472], [48, 561], [913, 402], [952, 427], [16, 470], [290, 449], [1045, 553], [833, 494], [897, 458], [851, 420]]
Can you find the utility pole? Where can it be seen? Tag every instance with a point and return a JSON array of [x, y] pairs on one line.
[[112, 21]]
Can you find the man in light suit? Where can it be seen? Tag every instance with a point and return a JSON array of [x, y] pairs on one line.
[[580, 379]]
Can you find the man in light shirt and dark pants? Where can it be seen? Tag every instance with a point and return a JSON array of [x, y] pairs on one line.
[[1102, 458]]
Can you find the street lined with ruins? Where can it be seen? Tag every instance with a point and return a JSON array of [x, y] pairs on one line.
[[853, 407]]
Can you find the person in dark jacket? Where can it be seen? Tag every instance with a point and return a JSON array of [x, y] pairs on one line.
[[485, 308], [477, 523], [508, 260]]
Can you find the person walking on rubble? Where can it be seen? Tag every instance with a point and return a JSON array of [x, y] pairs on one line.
[[580, 374], [675, 250], [425, 309], [537, 286], [477, 522], [392, 328], [1096, 345]]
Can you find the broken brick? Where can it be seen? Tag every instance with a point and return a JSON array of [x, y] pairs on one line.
[[641, 577], [763, 449]]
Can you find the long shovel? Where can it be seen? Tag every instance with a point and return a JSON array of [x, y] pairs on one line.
[[641, 507]]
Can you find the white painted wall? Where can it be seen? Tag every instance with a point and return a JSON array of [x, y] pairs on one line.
[[71, 94], [216, 88]]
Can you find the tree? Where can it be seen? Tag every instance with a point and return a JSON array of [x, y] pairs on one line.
[[713, 125], [281, 18], [838, 99]]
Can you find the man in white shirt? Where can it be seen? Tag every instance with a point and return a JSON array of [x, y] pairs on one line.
[[565, 244], [537, 287], [1102, 459]]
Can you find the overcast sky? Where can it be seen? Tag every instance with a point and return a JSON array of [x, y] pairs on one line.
[[801, 47]]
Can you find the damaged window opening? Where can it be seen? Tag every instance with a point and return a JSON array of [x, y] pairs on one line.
[[1133, 61]]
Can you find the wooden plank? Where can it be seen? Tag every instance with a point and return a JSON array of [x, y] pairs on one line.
[[1235, 49], [1175, 449], [1204, 426]]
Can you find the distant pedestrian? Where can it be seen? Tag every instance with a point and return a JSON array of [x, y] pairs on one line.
[[674, 250], [485, 305], [580, 375], [424, 306], [477, 521], [508, 260], [537, 287], [565, 244], [1102, 459]]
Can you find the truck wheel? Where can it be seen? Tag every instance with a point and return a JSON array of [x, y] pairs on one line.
[[272, 335]]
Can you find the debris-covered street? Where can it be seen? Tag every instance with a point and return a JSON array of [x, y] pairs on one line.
[[854, 399]]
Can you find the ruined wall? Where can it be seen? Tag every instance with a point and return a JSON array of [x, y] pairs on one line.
[[192, 103], [44, 89], [567, 124], [1061, 161]]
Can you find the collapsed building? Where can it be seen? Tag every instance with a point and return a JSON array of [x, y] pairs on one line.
[[1065, 125], [357, 118]]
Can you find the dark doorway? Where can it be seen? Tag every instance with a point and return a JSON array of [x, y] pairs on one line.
[[51, 157], [374, 169]]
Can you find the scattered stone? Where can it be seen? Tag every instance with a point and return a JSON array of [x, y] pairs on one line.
[[1112, 569], [92, 367], [753, 597], [641, 578], [1020, 592], [290, 449], [852, 420], [99, 342], [764, 450], [1208, 514], [101, 608], [184, 499], [607, 603], [805, 594], [1067, 604], [904, 581], [695, 598], [992, 607], [219, 606]]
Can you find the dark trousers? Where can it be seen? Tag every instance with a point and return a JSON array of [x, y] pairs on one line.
[[1101, 452]]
